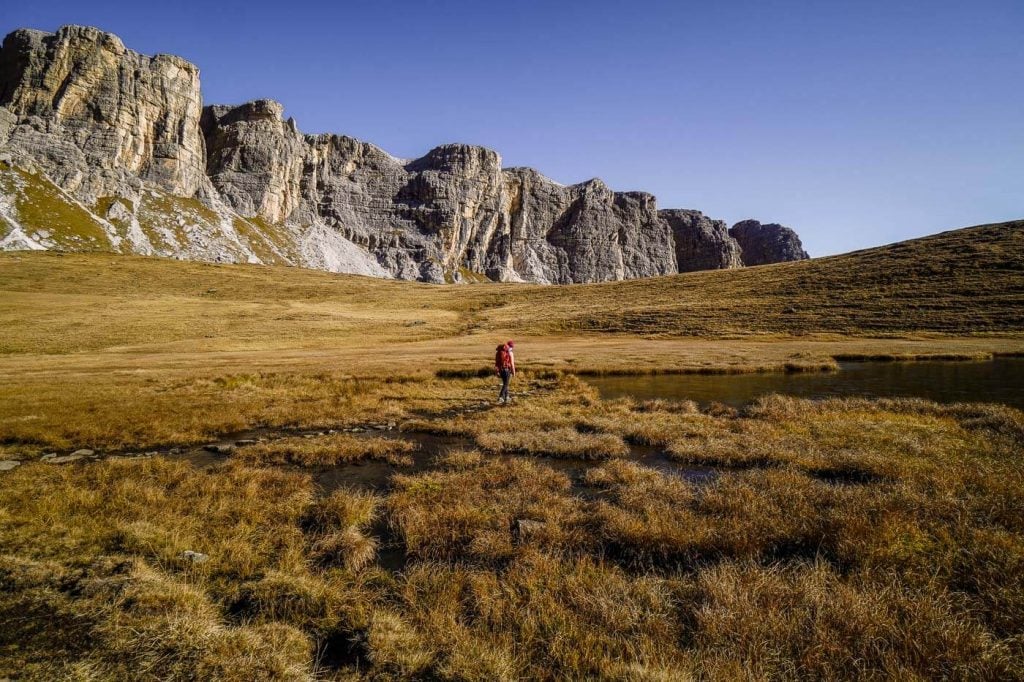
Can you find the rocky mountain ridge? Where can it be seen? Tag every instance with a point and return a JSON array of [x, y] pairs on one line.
[[105, 148]]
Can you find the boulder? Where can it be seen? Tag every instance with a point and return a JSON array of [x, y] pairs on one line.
[[8, 464], [523, 530]]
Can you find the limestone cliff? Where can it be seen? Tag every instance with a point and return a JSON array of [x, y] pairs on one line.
[[768, 243], [102, 118], [105, 148], [453, 210], [700, 242]]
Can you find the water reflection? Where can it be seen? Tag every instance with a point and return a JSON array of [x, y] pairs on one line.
[[1000, 381]]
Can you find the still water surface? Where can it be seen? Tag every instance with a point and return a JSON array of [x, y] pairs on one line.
[[997, 381]]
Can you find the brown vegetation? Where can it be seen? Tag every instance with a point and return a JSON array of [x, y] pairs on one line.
[[328, 450], [836, 539], [842, 539]]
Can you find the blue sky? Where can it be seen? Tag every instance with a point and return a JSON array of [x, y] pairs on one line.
[[856, 123]]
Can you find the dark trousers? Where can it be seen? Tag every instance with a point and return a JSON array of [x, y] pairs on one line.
[[506, 377]]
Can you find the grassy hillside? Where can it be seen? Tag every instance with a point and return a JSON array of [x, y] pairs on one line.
[[964, 282], [200, 349], [960, 282]]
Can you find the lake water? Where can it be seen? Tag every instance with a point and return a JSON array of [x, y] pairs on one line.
[[996, 381]]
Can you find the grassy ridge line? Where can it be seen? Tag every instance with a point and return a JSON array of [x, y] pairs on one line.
[[963, 282]]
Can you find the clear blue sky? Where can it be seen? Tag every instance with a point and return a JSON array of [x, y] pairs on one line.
[[857, 123]]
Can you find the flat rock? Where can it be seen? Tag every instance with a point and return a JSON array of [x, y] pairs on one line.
[[8, 464], [84, 452], [245, 441], [65, 459], [219, 448]]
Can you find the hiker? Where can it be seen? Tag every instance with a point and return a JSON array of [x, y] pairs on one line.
[[505, 366]]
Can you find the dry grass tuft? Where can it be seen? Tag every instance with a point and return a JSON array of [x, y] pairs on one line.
[[812, 624], [339, 523], [470, 514], [458, 460], [330, 450], [557, 443]]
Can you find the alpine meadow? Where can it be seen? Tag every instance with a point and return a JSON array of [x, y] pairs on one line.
[[250, 423]]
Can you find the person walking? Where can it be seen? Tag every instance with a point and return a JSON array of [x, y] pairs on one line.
[[505, 367]]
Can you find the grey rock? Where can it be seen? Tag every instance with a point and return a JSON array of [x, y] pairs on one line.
[[219, 448], [84, 452], [245, 441], [768, 243], [193, 557], [8, 464], [98, 116], [525, 529], [451, 212], [65, 459], [48, 456], [700, 242]]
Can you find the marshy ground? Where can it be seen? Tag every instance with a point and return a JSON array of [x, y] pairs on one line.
[[366, 511], [563, 536]]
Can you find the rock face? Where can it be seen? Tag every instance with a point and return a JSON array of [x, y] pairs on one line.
[[104, 148], [101, 117], [769, 243], [434, 218], [700, 242]]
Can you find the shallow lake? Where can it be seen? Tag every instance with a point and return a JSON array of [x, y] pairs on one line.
[[996, 381]]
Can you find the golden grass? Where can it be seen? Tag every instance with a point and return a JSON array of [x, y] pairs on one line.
[[106, 351], [188, 405], [556, 443], [879, 539], [839, 539], [468, 512], [328, 450]]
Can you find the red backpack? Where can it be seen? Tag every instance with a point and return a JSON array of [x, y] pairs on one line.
[[502, 359]]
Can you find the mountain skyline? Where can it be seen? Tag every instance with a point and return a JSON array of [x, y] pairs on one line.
[[890, 132]]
